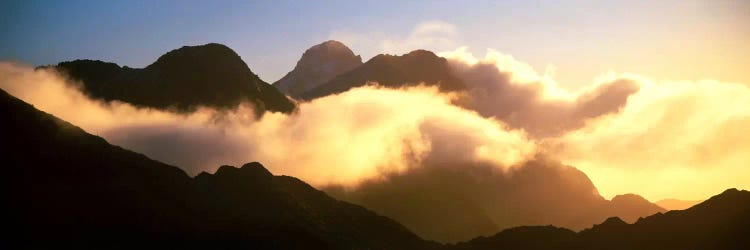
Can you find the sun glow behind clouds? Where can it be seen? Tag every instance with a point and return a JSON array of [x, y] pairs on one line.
[[691, 138], [685, 139]]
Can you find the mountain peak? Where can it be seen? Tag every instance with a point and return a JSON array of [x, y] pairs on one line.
[[183, 79], [256, 169], [319, 64], [422, 53], [214, 55], [613, 221], [332, 44], [629, 198], [253, 171]]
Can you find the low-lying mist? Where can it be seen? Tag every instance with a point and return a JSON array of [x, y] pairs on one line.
[[340, 139]]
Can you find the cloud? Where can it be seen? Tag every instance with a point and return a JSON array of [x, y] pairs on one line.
[[502, 87], [688, 139], [344, 139], [684, 139], [432, 35]]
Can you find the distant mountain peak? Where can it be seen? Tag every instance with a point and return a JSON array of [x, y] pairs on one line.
[[319, 64], [183, 79], [333, 45], [613, 221], [413, 68], [629, 198], [422, 53], [254, 172]]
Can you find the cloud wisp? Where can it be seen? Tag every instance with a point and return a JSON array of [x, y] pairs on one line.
[[433, 35], [502, 87]]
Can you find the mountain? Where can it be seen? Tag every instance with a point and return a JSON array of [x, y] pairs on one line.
[[458, 203], [319, 64], [65, 188], [630, 207], [210, 75], [722, 222], [416, 67], [674, 204]]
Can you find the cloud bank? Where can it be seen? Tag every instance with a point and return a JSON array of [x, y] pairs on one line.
[[341, 139]]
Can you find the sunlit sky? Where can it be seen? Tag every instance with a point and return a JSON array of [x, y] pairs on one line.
[[577, 40]]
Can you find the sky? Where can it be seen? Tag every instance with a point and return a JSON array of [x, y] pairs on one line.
[[573, 40]]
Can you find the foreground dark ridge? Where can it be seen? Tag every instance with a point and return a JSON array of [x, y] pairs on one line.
[[722, 222], [66, 188], [183, 79]]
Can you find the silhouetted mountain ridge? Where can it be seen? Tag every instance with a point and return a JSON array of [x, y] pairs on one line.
[[319, 64], [722, 222], [416, 67], [183, 79], [480, 200]]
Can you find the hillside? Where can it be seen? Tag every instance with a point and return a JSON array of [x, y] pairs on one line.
[[67, 188]]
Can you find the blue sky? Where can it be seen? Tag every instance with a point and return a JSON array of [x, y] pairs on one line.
[[661, 39]]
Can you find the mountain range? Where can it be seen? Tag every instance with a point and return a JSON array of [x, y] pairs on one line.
[[416, 67], [721, 222], [67, 188], [460, 203], [73, 187]]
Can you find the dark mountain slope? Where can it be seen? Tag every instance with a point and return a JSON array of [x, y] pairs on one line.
[[526, 237], [457, 203], [416, 67], [208, 75], [64, 188], [722, 222], [319, 64]]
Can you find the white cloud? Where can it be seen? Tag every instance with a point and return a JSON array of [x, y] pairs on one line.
[[434, 35]]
